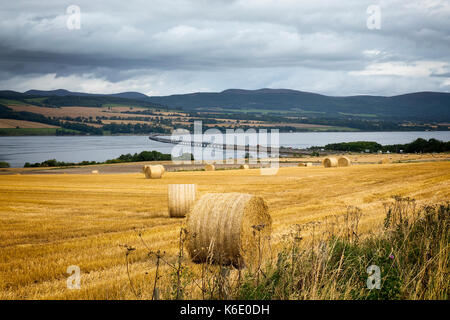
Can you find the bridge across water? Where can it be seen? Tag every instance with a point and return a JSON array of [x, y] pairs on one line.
[[281, 151]]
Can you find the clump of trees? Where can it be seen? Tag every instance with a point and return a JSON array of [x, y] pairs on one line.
[[4, 164], [418, 146], [143, 156], [55, 163], [137, 157]]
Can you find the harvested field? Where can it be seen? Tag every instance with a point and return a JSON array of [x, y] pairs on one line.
[[49, 222], [375, 158], [76, 111], [11, 123]]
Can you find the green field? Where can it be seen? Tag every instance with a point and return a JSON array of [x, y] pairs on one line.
[[36, 99], [30, 131], [11, 102]]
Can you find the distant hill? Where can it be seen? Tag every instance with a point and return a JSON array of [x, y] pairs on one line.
[[58, 92], [63, 92], [61, 98], [424, 106]]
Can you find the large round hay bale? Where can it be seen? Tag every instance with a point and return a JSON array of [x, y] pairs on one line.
[[94, 171], [227, 228], [153, 172], [301, 164], [344, 162], [181, 197], [308, 164], [210, 167], [244, 166], [330, 162]]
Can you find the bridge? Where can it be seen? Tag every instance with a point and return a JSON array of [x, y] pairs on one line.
[[282, 151]]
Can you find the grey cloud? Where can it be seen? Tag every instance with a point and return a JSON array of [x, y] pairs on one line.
[[196, 45]]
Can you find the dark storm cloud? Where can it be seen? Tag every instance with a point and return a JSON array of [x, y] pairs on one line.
[[161, 47]]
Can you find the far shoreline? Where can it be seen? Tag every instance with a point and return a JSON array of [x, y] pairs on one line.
[[167, 134]]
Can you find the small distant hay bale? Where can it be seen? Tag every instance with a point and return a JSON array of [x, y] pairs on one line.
[[94, 171], [244, 166], [330, 162], [301, 164], [384, 161], [181, 197], [308, 164], [162, 168], [210, 167], [226, 229], [344, 162], [153, 172], [158, 165]]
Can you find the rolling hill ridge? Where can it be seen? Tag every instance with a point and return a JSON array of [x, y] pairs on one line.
[[424, 106]]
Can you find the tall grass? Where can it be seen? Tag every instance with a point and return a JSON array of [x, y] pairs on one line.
[[411, 251]]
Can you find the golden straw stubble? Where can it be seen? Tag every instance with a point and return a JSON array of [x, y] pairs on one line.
[[228, 229], [181, 197]]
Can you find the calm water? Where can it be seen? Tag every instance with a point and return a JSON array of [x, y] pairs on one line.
[[18, 150]]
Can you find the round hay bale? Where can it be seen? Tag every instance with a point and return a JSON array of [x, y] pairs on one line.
[[158, 165], [162, 168], [308, 164], [244, 166], [94, 171], [227, 228], [301, 164], [153, 172], [210, 167], [330, 162], [181, 198], [344, 162]]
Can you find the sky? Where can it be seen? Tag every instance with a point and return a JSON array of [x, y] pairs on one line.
[[161, 47]]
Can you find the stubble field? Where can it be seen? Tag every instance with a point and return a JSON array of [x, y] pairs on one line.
[[50, 222]]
